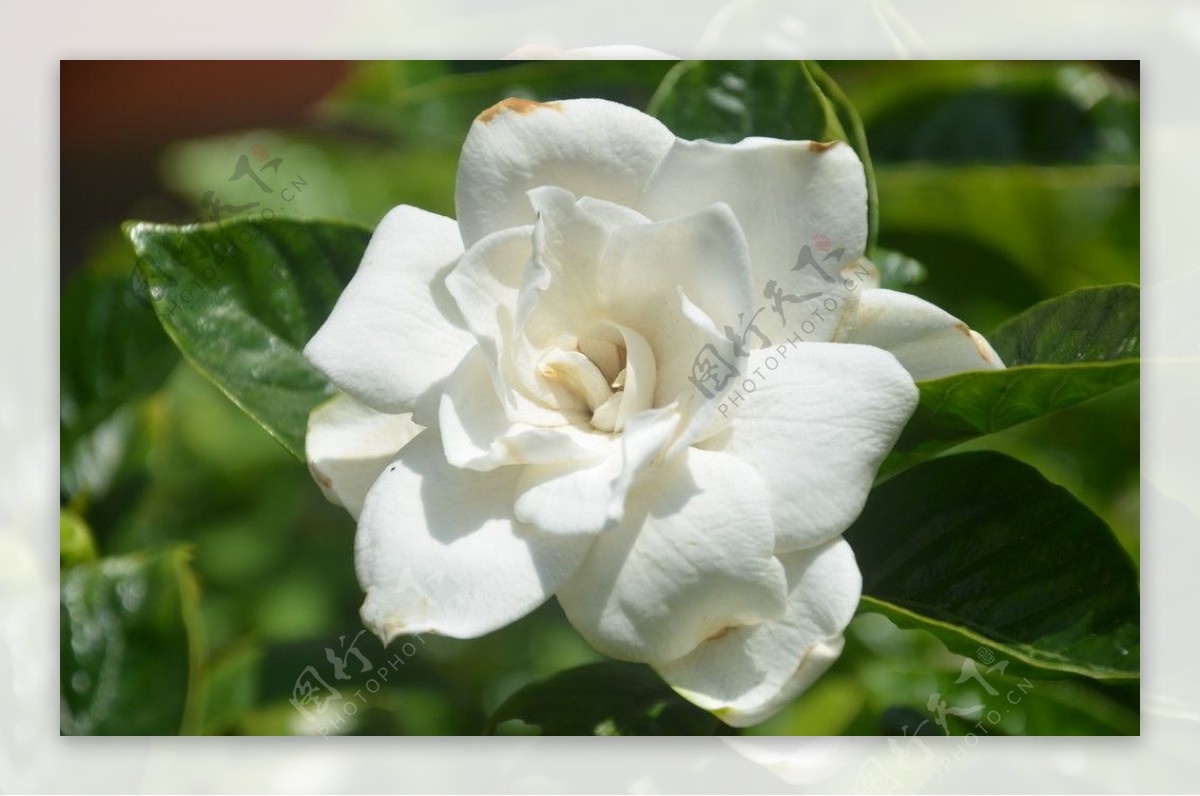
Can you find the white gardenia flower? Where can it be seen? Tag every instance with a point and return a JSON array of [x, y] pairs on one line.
[[648, 376]]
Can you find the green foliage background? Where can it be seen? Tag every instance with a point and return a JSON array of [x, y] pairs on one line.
[[204, 573]]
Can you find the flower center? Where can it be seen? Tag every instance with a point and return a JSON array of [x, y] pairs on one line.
[[596, 373]]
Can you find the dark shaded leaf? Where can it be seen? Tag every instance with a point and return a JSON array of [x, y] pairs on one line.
[[1095, 324], [980, 550], [111, 352], [127, 645]]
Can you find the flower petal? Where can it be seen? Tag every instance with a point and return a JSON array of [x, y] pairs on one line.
[[691, 305], [437, 549], [753, 671], [927, 340], [692, 557], [477, 434], [702, 256], [640, 377], [487, 285], [586, 497], [673, 283], [817, 423], [349, 444], [590, 147], [801, 204], [395, 332], [570, 240]]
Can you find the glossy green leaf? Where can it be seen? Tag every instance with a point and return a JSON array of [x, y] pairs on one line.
[[112, 352], [128, 648], [730, 100], [1060, 353], [610, 698], [980, 550], [241, 299], [968, 405], [1097, 324]]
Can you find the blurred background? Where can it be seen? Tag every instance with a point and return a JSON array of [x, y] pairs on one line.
[[1006, 183]]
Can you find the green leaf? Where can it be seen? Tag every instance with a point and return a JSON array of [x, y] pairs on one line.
[[242, 299], [610, 698], [1061, 352], [128, 648], [794, 100], [1098, 324], [958, 408], [111, 353], [980, 550]]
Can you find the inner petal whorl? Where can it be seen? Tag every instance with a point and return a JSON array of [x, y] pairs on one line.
[[579, 374], [596, 374]]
